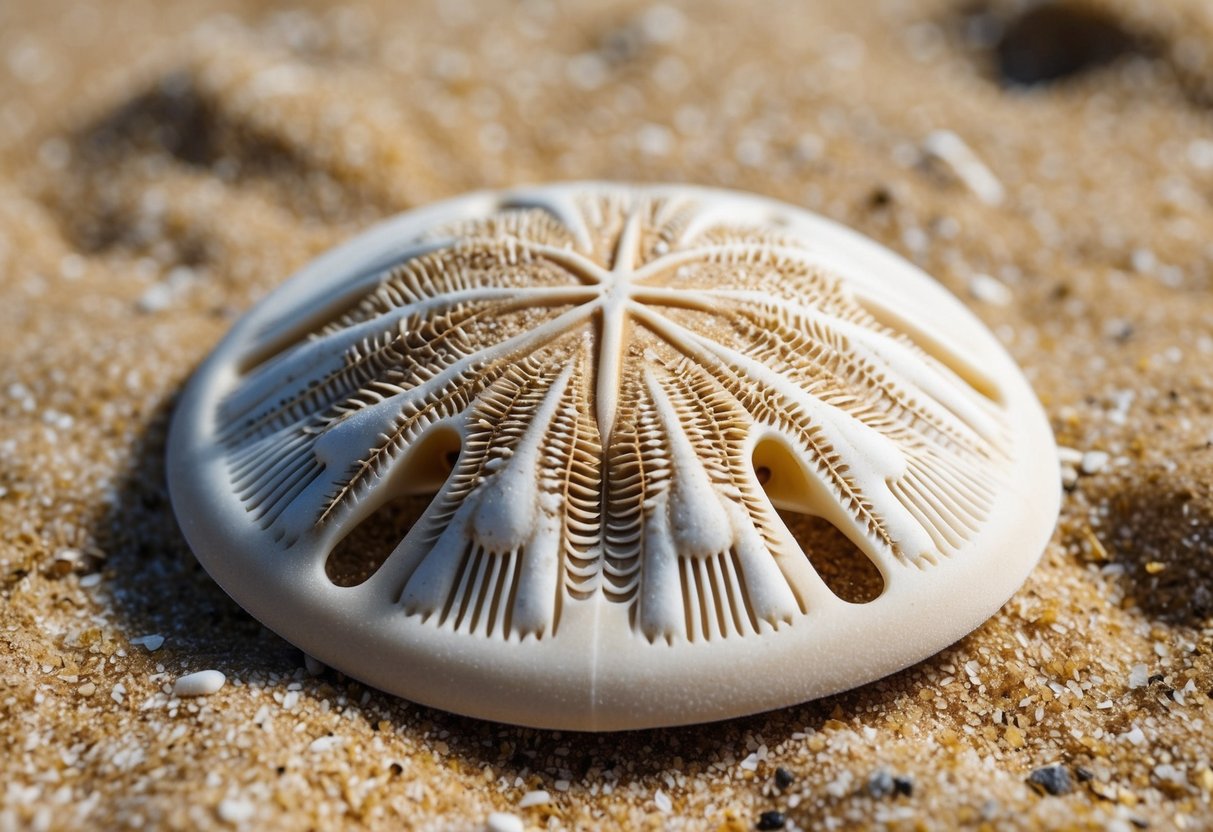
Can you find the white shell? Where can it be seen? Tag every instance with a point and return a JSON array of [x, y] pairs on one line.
[[741, 356]]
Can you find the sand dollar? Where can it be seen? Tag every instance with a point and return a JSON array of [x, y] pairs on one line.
[[593, 456]]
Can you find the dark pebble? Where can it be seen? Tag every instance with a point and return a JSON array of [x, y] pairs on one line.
[[880, 784], [1054, 780], [1054, 41], [771, 820], [880, 197], [1084, 775], [903, 786], [783, 777]]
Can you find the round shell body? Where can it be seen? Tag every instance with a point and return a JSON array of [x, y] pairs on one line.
[[597, 457]]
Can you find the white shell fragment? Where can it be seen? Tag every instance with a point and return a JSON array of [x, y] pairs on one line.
[[202, 683], [600, 457], [950, 149], [503, 822], [151, 643]]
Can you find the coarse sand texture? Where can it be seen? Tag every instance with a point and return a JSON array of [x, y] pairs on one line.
[[164, 167]]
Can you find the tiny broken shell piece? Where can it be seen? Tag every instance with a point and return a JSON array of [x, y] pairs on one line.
[[659, 436], [201, 683]]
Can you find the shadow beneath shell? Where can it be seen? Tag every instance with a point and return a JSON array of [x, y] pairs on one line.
[[156, 586], [544, 758]]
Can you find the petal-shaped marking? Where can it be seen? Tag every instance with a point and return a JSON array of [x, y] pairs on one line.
[[619, 471]]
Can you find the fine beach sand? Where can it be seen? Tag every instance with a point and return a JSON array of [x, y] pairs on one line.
[[163, 165]]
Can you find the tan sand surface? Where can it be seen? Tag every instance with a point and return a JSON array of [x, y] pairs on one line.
[[164, 164]]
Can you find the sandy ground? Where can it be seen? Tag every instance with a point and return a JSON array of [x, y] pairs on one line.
[[162, 165]]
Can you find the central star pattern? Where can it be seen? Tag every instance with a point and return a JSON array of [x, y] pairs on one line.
[[610, 398]]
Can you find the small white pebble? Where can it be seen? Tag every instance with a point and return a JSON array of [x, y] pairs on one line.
[[1172, 775], [1136, 736], [916, 240], [156, 299], [1094, 461], [1200, 154], [70, 556], [503, 822], [321, 744], [562, 785], [1069, 456], [663, 802], [539, 797], [990, 290], [654, 140], [1069, 476], [587, 71], [234, 810], [202, 683], [71, 267], [663, 24], [1139, 675], [1143, 260], [840, 785]]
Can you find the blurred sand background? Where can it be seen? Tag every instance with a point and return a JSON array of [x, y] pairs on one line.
[[164, 164]]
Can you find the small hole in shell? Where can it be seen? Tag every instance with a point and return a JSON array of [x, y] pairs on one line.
[[846, 570], [365, 548]]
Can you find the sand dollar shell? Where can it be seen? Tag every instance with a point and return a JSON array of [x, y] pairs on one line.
[[594, 456]]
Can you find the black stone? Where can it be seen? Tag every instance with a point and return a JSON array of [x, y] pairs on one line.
[[783, 777], [771, 820], [1054, 780], [903, 786]]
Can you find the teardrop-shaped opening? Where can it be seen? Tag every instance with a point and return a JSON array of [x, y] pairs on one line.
[[846, 570], [361, 552], [422, 473]]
